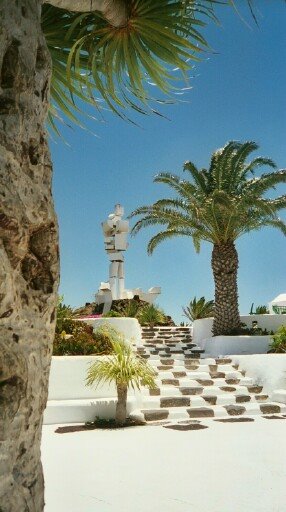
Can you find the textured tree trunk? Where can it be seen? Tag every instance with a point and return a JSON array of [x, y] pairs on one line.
[[28, 254], [121, 406], [225, 266]]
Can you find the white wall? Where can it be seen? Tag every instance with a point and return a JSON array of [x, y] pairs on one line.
[[229, 345], [268, 369], [202, 329], [129, 327], [71, 401], [67, 379]]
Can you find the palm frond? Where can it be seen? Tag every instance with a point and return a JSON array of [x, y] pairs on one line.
[[91, 57]]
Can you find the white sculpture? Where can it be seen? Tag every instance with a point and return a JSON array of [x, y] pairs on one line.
[[115, 232], [115, 240]]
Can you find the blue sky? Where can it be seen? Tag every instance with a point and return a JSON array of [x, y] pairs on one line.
[[238, 93]]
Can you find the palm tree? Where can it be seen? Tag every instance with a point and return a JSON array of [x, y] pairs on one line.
[[199, 309], [125, 369], [218, 205]]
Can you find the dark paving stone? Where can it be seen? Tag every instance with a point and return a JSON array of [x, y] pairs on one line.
[[269, 408], [191, 426], [200, 412], [165, 367], [234, 410], [210, 399], [217, 375], [232, 381], [175, 401], [154, 392], [213, 367], [191, 391], [261, 398], [171, 382], [242, 398], [155, 414], [234, 420], [254, 389], [227, 388], [204, 382], [179, 374], [167, 361], [223, 361], [274, 417]]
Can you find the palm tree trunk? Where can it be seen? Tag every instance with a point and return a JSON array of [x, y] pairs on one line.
[[28, 254], [121, 406], [225, 266]]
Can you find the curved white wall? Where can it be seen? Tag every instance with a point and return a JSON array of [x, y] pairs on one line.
[[229, 345], [202, 329], [269, 370], [129, 327]]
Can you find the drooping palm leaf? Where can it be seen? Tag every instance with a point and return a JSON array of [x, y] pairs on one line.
[[93, 61]]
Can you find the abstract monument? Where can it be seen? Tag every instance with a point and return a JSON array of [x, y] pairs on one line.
[[115, 231]]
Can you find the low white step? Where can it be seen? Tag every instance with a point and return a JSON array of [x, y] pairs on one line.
[[82, 410]]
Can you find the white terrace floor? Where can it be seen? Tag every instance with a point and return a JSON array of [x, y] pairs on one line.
[[228, 467]]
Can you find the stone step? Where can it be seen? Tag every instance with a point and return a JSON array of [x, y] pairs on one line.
[[197, 374], [204, 391], [187, 382], [194, 401], [194, 366], [217, 411]]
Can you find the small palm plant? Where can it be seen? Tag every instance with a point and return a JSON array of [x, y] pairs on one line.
[[199, 309], [125, 369], [151, 315]]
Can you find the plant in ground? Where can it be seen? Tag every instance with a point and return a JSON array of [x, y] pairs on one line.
[[278, 345], [218, 205], [124, 368], [151, 315], [199, 309], [82, 340], [259, 310]]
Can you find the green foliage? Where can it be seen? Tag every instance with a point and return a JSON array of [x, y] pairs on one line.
[[278, 344], [259, 310], [130, 309], [83, 340], [91, 56], [81, 343], [64, 317], [112, 314], [122, 367], [199, 309], [151, 315], [255, 330], [218, 204]]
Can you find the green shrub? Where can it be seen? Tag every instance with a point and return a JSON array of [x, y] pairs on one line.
[[278, 344], [130, 309], [259, 310], [151, 315], [242, 330], [84, 341], [64, 317], [112, 314], [199, 309]]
